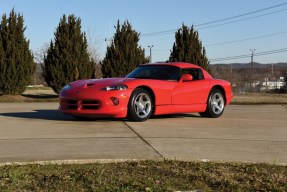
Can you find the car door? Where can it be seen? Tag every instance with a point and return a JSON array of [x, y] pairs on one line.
[[191, 92]]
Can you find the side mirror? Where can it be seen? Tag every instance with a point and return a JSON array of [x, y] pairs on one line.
[[186, 78]]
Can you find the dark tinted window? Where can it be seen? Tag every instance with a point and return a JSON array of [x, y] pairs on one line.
[[196, 73], [160, 72]]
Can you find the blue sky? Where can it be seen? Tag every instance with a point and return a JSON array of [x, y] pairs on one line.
[[148, 16]]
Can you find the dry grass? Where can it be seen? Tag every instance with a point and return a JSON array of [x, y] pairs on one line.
[[259, 98], [42, 94], [28, 98], [145, 176]]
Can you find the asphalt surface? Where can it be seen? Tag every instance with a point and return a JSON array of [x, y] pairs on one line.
[[38, 132]]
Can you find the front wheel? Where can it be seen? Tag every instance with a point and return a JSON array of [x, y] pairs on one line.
[[215, 104], [140, 105]]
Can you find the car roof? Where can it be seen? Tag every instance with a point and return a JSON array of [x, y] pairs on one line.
[[177, 64], [181, 65]]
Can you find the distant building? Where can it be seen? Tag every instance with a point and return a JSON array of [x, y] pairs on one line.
[[272, 84]]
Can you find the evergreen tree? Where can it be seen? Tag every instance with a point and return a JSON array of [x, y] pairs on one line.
[[67, 58], [16, 60], [124, 54], [188, 48]]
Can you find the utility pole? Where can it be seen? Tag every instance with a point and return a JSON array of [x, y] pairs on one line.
[[150, 47], [252, 55], [252, 64]]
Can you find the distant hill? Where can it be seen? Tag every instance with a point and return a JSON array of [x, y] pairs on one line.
[[248, 65]]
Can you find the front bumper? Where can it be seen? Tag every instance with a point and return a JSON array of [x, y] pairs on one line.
[[88, 103], [229, 98]]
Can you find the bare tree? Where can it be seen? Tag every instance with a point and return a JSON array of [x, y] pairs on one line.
[[92, 46], [40, 53], [93, 50], [39, 60]]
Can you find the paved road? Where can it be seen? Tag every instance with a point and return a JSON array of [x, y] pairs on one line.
[[38, 132]]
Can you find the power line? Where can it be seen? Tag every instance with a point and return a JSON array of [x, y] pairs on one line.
[[226, 23], [220, 20], [230, 58], [271, 52], [235, 41], [248, 18], [159, 33], [246, 39], [249, 55], [162, 50], [244, 14]]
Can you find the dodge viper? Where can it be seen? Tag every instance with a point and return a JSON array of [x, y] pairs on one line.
[[150, 89]]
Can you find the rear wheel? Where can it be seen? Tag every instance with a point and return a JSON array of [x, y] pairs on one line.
[[140, 105], [215, 104]]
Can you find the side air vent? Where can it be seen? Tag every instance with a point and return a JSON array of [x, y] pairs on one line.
[[90, 84]]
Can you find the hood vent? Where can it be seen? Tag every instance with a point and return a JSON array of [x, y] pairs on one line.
[[88, 85]]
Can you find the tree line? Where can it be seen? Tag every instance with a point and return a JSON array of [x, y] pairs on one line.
[[68, 59]]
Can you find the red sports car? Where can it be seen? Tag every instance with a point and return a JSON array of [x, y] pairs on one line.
[[151, 89]]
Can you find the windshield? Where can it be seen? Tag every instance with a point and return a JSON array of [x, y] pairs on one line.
[[160, 72]]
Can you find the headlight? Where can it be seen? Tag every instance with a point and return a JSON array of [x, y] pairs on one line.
[[67, 87], [115, 87]]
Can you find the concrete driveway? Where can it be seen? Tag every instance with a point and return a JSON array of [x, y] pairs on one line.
[[38, 132]]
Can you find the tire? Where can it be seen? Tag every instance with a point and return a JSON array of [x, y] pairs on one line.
[[215, 105], [140, 105]]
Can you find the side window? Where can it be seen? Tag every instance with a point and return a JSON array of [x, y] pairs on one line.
[[197, 74]]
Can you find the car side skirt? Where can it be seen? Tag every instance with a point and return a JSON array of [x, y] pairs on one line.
[[171, 109]]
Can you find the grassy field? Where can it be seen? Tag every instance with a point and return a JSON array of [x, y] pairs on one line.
[[259, 98], [38, 94], [144, 176]]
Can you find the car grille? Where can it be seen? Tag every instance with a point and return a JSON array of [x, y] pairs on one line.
[[69, 104]]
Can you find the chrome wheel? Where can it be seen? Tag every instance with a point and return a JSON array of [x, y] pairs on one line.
[[142, 105], [217, 103]]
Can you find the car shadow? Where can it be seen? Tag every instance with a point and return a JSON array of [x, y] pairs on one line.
[[41, 96], [53, 115], [175, 116]]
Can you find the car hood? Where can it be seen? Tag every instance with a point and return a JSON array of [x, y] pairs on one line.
[[98, 83]]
